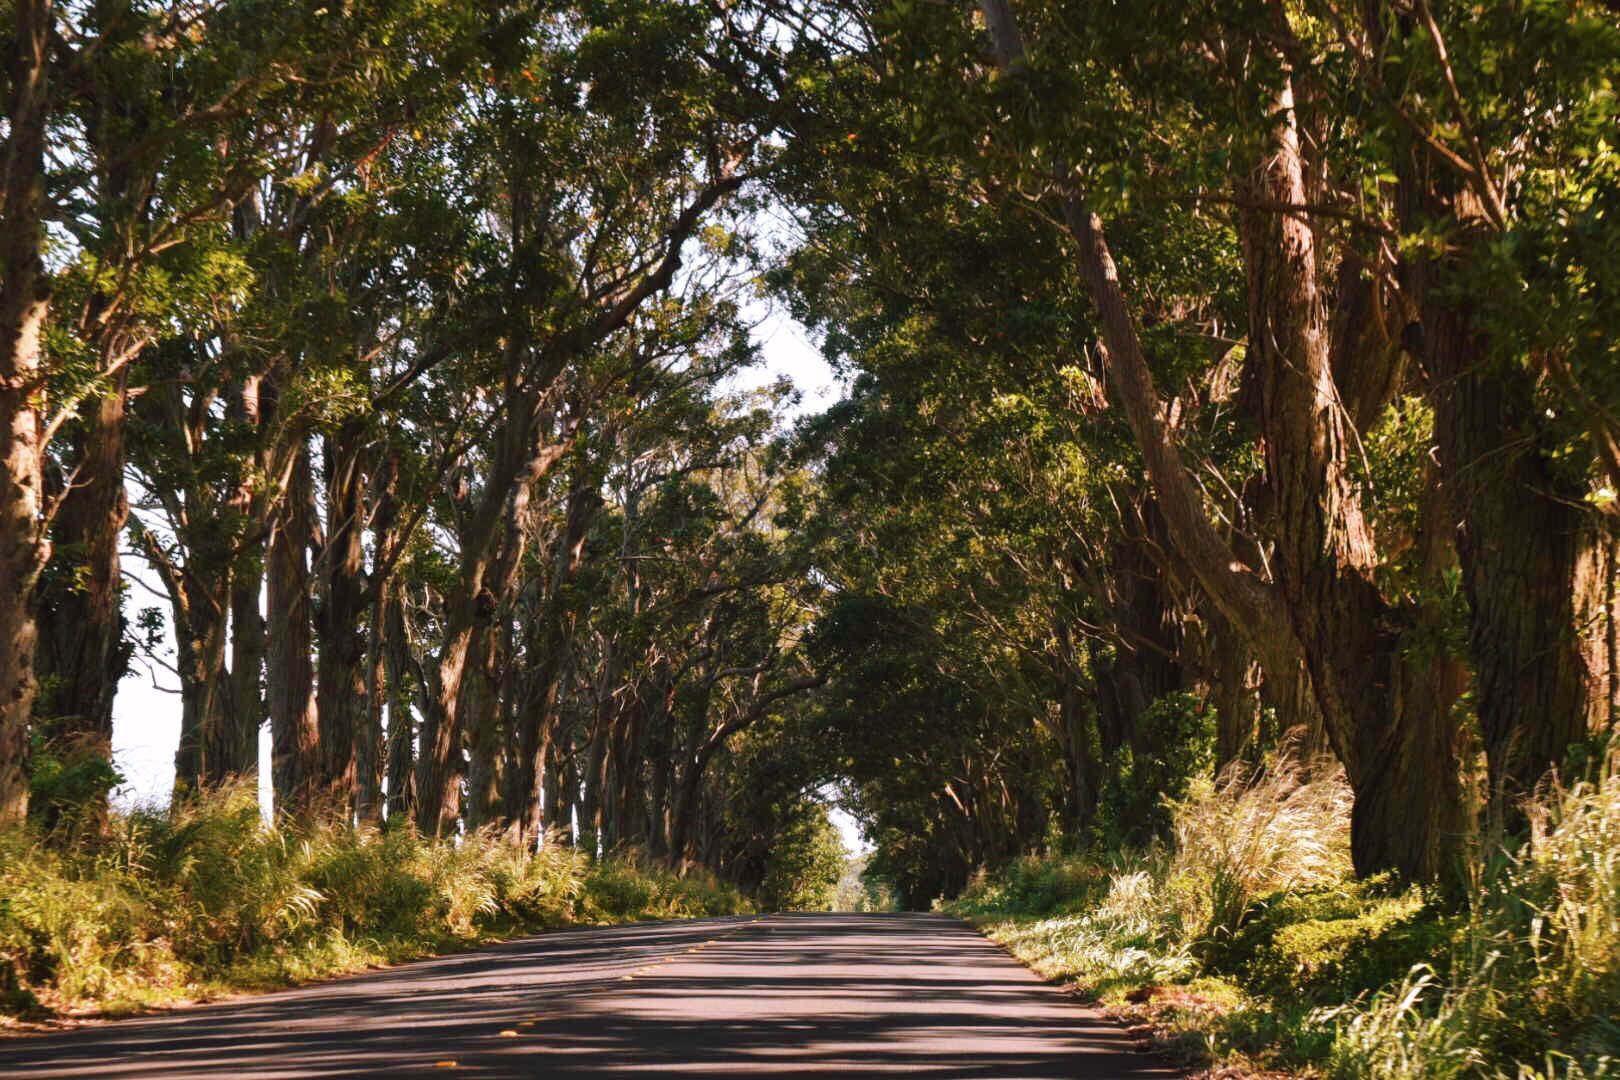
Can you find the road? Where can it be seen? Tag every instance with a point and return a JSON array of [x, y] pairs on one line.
[[920, 995]]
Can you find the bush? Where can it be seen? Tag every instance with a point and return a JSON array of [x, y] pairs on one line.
[[162, 903], [1174, 745], [628, 888], [1328, 944]]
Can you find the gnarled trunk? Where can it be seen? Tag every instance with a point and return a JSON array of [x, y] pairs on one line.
[[1400, 756]]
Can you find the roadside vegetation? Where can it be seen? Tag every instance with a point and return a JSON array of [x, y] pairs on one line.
[[1249, 946], [204, 898]]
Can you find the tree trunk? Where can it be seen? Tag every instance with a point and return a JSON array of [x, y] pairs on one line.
[[207, 754], [401, 724], [340, 687], [1235, 694], [294, 734], [24, 296], [486, 743], [1534, 560], [248, 637], [246, 695], [83, 653], [1400, 756], [536, 719], [1533, 564], [370, 751]]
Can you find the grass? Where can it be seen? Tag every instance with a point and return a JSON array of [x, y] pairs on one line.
[[206, 898], [1251, 948]]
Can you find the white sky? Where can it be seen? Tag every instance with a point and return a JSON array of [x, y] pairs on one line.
[[146, 720]]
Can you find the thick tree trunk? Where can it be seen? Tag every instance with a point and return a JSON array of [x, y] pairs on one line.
[[1534, 561], [290, 675], [371, 751], [536, 721], [486, 742], [246, 700], [340, 688], [24, 295], [208, 752], [536, 718], [83, 653], [1533, 564], [1400, 757], [248, 635], [1235, 693]]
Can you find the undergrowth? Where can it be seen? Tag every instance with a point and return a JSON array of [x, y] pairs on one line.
[[1250, 946], [164, 905]]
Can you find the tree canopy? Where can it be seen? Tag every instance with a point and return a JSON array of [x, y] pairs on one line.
[[1218, 378]]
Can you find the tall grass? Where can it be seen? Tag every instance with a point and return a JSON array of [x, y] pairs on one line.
[[1534, 990], [1281, 956], [174, 902], [1257, 832]]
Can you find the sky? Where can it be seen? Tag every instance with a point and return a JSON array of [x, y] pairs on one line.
[[146, 712]]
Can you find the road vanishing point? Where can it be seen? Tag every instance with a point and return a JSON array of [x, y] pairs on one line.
[[777, 995]]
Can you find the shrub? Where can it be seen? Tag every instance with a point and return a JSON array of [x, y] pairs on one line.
[[1327, 944], [1174, 746], [164, 901], [627, 888]]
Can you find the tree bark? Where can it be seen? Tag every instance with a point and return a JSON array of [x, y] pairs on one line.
[[1534, 560], [340, 681], [536, 719], [207, 753], [1533, 563], [24, 297], [1400, 756], [294, 733], [83, 652], [401, 674]]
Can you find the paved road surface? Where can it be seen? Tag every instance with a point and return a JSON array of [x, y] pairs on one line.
[[918, 995]]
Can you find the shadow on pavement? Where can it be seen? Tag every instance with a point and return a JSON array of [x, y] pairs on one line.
[[915, 994]]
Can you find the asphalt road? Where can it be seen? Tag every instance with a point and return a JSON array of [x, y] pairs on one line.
[[920, 995]]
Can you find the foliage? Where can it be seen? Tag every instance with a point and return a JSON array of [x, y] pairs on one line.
[[626, 888], [170, 903], [806, 864], [69, 782], [1258, 831], [1174, 748], [860, 890], [1353, 978]]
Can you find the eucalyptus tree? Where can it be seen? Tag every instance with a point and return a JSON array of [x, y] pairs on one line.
[[1342, 198], [1366, 215], [124, 152]]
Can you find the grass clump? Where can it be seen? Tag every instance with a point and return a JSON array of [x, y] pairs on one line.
[[630, 888], [205, 896], [1248, 942]]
